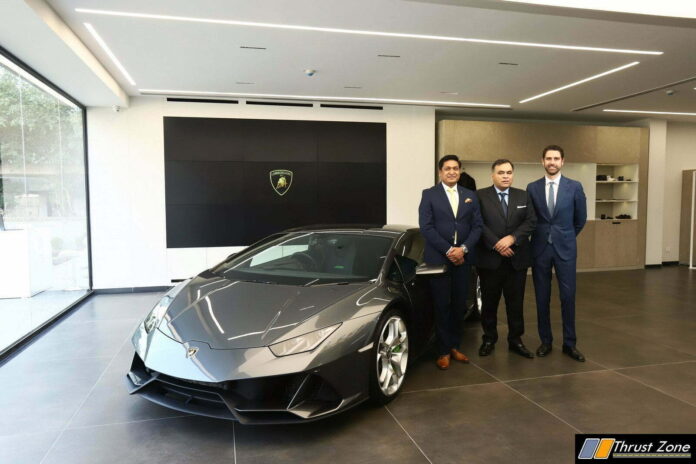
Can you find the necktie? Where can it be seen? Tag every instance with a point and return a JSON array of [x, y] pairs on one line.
[[453, 199], [454, 203], [551, 202], [503, 203]]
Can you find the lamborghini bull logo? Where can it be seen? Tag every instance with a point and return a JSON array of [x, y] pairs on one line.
[[281, 180]]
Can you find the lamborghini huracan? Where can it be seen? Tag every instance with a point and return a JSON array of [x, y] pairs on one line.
[[299, 326]]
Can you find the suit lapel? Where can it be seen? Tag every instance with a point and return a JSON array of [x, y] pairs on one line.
[[512, 203], [562, 184], [541, 193], [460, 194], [445, 198]]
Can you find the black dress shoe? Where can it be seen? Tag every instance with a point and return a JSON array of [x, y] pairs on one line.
[[543, 350], [486, 348], [573, 353], [522, 350]]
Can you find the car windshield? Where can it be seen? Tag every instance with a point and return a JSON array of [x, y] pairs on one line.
[[310, 258]]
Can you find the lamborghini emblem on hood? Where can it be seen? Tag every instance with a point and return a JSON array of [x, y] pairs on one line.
[[191, 352], [281, 180]]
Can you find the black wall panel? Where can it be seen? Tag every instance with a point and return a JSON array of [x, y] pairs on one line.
[[218, 188]]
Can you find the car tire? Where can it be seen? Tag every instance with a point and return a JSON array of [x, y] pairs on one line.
[[389, 357]]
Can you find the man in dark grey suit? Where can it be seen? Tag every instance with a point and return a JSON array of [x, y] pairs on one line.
[[504, 254]]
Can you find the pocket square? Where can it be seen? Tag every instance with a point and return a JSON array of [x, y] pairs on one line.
[[523, 206], [468, 200]]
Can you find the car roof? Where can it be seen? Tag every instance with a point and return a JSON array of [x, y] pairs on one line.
[[389, 228]]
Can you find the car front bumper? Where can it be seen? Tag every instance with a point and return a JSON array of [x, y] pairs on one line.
[[252, 385], [288, 398]]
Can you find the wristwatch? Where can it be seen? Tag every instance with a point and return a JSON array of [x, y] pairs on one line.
[[465, 249]]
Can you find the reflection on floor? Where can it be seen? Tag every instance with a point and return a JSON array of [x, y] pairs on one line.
[[19, 316], [64, 400]]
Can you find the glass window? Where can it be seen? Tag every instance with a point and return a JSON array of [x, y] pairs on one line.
[[43, 206]]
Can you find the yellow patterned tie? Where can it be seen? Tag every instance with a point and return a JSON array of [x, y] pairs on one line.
[[453, 199]]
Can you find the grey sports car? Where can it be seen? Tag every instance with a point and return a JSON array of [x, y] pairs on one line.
[[297, 327]]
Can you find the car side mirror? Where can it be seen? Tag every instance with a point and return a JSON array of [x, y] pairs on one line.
[[431, 269]]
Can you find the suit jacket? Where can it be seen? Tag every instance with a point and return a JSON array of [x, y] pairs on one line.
[[519, 222], [569, 217], [438, 223]]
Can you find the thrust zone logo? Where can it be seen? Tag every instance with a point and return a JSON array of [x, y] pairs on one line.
[[646, 448]]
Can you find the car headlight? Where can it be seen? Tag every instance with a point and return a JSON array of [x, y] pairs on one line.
[[155, 317], [303, 343]]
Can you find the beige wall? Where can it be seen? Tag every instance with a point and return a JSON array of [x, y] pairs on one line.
[[126, 170], [680, 155]]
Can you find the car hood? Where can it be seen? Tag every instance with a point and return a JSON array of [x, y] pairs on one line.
[[231, 314]]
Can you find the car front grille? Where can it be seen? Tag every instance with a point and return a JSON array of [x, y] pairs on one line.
[[276, 399]]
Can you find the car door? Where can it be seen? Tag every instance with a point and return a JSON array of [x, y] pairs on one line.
[[408, 257]]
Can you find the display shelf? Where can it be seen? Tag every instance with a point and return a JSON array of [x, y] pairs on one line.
[[612, 219], [615, 201], [617, 181], [616, 197]]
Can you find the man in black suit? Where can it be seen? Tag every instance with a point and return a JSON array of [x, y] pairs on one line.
[[450, 222], [504, 254]]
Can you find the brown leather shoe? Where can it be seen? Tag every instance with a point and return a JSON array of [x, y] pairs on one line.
[[459, 356], [443, 362]]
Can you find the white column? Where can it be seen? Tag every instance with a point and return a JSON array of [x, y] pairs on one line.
[[656, 190]]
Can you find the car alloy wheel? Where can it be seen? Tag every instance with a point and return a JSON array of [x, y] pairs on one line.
[[392, 355], [479, 298]]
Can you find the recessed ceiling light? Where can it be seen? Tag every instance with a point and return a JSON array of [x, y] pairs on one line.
[[611, 71], [33, 80], [360, 32], [317, 97], [108, 51], [677, 8], [650, 112]]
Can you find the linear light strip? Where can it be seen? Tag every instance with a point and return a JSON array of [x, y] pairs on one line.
[[673, 8], [611, 71], [360, 32], [34, 81], [649, 112], [108, 51], [318, 97]]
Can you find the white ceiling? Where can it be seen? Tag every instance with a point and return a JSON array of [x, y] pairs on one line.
[[204, 57]]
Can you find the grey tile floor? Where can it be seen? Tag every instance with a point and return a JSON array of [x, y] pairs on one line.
[[64, 400]]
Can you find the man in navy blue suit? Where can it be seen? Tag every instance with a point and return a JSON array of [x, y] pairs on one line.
[[450, 221], [561, 210]]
